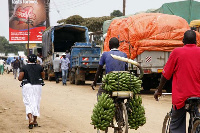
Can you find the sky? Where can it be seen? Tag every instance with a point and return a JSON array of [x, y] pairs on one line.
[[61, 9]]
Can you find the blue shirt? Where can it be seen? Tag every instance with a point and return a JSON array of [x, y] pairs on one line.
[[113, 64]]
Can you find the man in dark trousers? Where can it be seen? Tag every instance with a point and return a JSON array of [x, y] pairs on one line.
[[56, 67], [111, 64], [16, 67], [184, 65]]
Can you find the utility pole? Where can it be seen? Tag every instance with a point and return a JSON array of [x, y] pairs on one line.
[[124, 6], [47, 2]]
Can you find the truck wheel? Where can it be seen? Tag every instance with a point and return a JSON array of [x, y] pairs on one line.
[[77, 82], [71, 78], [49, 78], [82, 82], [46, 76]]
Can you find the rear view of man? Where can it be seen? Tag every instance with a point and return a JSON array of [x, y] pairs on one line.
[[56, 67], [184, 65], [111, 64]]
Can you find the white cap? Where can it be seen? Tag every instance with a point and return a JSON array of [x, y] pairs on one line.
[[63, 54]]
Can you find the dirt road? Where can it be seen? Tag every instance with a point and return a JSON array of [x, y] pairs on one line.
[[66, 109]]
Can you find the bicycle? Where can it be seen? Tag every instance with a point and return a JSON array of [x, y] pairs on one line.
[[191, 106], [121, 101]]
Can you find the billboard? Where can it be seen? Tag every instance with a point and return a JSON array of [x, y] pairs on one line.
[[26, 16]]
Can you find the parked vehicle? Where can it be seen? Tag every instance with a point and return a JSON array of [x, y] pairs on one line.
[[84, 57]]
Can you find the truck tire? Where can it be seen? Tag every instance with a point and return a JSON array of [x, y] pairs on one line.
[[50, 78], [77, 82], [45, 75], [72, 78]]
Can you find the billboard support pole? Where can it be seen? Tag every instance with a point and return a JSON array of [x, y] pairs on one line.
[[28, 38]]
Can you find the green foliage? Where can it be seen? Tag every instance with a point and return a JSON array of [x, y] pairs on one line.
[[116, 13], [6, 48], [93, 24], [75, 19]]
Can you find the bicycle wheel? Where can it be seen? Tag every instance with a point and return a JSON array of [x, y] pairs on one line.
[[196, 126], [123, 122], [166, 123]]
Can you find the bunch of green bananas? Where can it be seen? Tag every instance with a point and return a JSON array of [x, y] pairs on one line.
[[103, 112], [136, 117], [121, 81]]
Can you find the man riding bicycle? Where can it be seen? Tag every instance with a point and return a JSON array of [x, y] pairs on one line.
[[184, 65], [111, 64]]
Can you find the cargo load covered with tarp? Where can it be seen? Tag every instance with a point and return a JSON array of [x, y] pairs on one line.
[[147, 31], [189, 9]]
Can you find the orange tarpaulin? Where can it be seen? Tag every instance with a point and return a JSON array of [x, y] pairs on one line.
[[147, 31]]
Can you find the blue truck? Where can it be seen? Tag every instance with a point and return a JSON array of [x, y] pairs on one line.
[[84, 57]]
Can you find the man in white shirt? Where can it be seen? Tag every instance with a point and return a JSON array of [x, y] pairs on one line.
[[56, 67]]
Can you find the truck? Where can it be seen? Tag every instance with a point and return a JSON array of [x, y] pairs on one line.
[[148, 38], [84, 56]]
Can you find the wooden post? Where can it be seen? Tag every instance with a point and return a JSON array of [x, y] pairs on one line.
[[124, 7]]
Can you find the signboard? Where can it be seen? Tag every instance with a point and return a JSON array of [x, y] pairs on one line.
[[26, 16]]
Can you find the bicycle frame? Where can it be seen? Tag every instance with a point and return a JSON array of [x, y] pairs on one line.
[[121, 122], [191, 105]]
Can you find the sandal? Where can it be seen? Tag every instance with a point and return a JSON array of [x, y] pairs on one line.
[[30, 126], [35, 124]]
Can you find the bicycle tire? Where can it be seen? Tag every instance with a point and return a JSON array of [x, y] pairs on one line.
[[125, 118], [166, 123], [196, 126]]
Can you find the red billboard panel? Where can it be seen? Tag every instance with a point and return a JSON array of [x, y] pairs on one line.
[[26, 16]]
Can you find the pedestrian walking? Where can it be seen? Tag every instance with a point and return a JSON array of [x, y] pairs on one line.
[[1, 66], [21, 63], [68, 54], [32, 76], [39, 59], [16, 66], [64, 65], [56, 67]]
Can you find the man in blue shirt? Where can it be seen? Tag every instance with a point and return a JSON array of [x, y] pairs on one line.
[[64, 65], [111, 64]]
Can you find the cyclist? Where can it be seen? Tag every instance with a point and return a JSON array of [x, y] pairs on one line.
[[184, 65], [111, 64]]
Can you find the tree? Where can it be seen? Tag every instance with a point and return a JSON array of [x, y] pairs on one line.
[[93, 24], [116, 13], [6, 48], [75, 19]]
